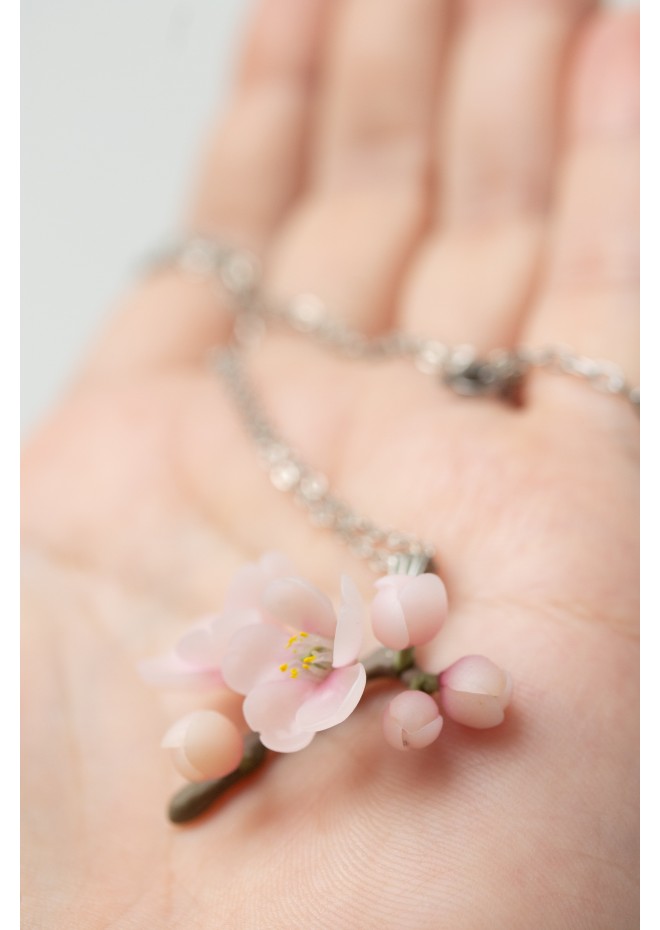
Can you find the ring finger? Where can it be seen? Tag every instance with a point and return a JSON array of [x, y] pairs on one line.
[[590, 294], [496, 148]]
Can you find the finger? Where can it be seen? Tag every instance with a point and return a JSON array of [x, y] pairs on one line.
[[590, 294], [170, 319], [251, 172], [367, 196], [496, 151], [252, 169]]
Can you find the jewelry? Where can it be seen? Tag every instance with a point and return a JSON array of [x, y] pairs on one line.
[[386, 550], [278, 640], [238, 273]]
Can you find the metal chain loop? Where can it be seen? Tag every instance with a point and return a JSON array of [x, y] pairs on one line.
[[386, 550], [238, 271]]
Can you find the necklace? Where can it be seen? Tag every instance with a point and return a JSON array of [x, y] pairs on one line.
[[279, 641], [386, 550], [238, 274]]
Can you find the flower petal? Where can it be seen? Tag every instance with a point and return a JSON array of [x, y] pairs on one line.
[[206, 745], [334, 699], [387, 619], [413, 710], [350, 625], [474, 691], [272, 706], [170, 671], [397, 582], [253, 655], [285, 741], [477, 674], [411, 721], [426, 735], [199, 646], [301, 606], [424, 604], [480, 711], [228, 622], [183, 766]]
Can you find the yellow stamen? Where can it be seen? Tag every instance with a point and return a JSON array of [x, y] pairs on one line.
[[294, 672], [309, 659], [283, 667], [292, 640], [303, 635]]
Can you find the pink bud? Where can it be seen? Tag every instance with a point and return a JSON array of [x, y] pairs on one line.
[[408, 610], [204, 745], [474, 691], [411, 720]]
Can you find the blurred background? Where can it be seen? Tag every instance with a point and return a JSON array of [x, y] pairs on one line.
[[116, 96]]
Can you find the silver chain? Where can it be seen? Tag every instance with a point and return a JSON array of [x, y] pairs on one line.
[[238, 273], [386, 550]]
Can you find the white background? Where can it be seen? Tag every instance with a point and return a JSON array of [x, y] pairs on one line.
[[116, 95]]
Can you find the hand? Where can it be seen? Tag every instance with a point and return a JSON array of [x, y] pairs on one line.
[[466, 170]]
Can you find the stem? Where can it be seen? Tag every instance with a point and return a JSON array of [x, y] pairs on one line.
[[191, 802], [417, 680], [194, 799], [388, 663]]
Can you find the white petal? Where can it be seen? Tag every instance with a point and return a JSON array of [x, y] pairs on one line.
[[301, 606], [253, 655], [350, 625], [334, 699], [273, 705], [285, 741]]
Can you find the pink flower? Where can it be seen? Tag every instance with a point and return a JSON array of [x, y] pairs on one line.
[[408, 610], [474, 691], [204, 744], [195, 659], [300, 673], [411, 721]]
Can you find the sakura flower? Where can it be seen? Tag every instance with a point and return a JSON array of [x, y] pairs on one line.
[[300, 673], [204, 745], [408, 610], [195, 659], [474, 691], [411, 721]]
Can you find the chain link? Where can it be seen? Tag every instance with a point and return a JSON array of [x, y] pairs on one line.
[[238, 273], [386, 550], [459, 367]]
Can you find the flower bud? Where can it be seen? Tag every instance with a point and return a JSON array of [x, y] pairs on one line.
[[408, 610], [204, 745], [474, 691], [411, 720]]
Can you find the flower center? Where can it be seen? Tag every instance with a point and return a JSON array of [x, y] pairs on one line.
[[310, 656]]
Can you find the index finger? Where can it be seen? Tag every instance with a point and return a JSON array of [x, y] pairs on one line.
[[251, 173]]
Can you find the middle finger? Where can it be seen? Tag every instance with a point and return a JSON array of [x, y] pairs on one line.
[[367, 189], [496, 151]]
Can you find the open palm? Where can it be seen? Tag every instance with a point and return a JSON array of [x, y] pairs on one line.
[[465, 170]]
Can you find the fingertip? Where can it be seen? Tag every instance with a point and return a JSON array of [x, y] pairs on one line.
[[255, 162], [282, 40]]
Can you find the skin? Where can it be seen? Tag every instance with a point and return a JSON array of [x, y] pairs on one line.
[[463, 169]]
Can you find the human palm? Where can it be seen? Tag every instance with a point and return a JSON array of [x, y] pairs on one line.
[[466, 178]]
